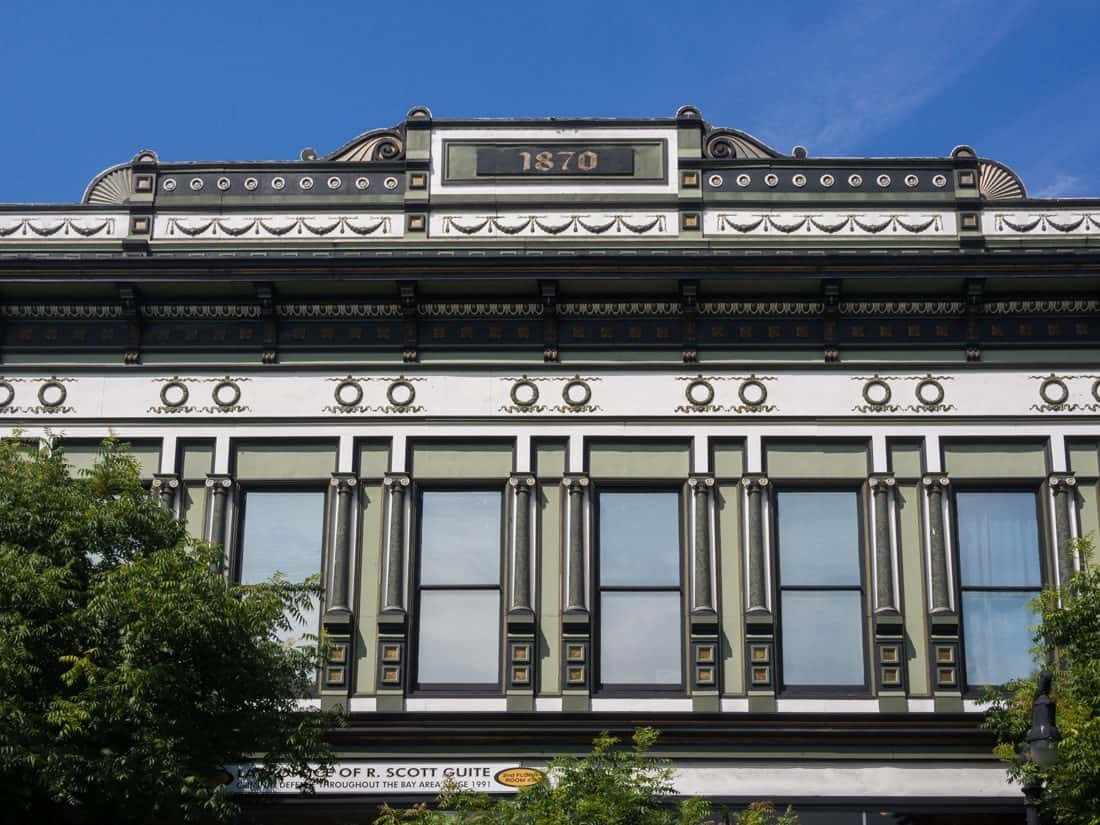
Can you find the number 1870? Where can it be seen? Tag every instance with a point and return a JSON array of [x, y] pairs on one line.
[[560, 161]]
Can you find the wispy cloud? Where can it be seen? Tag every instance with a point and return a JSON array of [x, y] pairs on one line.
[[865, 70], [1062, 186]]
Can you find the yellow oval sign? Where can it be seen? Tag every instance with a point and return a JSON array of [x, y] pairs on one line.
[[519, 777]]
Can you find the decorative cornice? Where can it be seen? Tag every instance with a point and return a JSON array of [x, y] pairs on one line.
[[794, 223], [61, 312], [555, 224], [647, 309], [62, 227], [277, 226], [1056, 223], [479, 310]]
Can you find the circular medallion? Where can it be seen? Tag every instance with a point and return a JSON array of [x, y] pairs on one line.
[[1096, 389], [929, 392], [226, 394], [524, 393], [799, 180], [390, 183], [1054, 391], [743, 180], [348, 393], [169, 185], [401, 393], [362, 183], [715, 181], [174, 394], [305, 183], [223, 183], [700, 392], [939, 181], [752, 392], [334, 182], [855, 181], [876, 392], [197, 184], [911, 181], [52, 394], [576, 393], [278, 183], [827, 181], [883, 181], [7, 393], [771, 179], [250, 184]]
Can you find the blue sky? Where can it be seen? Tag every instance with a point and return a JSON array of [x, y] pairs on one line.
[[88, 84]]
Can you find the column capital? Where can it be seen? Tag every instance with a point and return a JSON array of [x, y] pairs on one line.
[[575, 481], [521, 481], [218, 482], [344, 482], [701, 483], [935, 481], [396, 481], [881, 482], [754, 482], [1061, 482]]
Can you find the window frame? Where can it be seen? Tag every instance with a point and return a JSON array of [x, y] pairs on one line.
[[857, 690], [975, 690], [638, 690], [427, 689]]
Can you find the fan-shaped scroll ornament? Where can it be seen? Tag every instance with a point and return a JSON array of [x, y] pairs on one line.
[[997, 182], [377, 145]]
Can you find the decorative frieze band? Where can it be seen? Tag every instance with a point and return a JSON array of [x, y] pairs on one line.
[[1050, 223], [822, 224], [272, 227], [76, 228], [563, 225]]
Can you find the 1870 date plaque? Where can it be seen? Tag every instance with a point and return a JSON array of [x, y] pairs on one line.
[[555, 160]]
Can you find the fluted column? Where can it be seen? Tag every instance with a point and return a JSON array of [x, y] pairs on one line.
[[576, 595], [759, 621], [704, 615], [758, 586], [889, 629], [165, 486], [940, 597], [521, 613], [576, 628], [393, 591], [943, 618], [1062, 488], [882, 494], [218, 489], [392, 625], [338, 596]]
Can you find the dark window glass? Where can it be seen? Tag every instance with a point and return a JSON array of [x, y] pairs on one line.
[[458, 638], [640, 629], [282, 533], [999, 574], [821, 588]]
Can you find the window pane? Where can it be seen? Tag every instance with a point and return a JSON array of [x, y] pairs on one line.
[[283, 533], [460, 537], [459, 637], [640, 539], [822, 638], [640, 639], [997, 635], [818, 538], [998, 539]]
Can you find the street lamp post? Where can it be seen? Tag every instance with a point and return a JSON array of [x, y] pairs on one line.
[[1042, 743]]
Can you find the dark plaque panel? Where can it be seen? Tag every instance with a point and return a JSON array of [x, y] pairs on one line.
[[555, 160]]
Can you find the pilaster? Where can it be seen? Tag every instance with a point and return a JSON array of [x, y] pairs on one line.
[[943, 615], [335, 678], [576, 617], [1062, 492], [889, 627], [218, 489], [521, 606], [759, 618], [705, 683], [165, 486], [393, 648]]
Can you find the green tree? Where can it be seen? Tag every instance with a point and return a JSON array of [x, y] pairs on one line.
[[131, 670], [1067, 642], [608, 786]]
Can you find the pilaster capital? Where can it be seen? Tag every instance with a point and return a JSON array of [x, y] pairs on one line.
[[701, 484], [396, 482], [521, 482], [755, 483], [1061, 482], [344, 482], [165, 483], [575, 482], [881, 483], [935, 482], [219, 483]]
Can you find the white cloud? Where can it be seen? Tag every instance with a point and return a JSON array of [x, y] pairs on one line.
[[1062, 186]]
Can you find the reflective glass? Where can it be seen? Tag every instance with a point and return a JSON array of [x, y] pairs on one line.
[[282, 533], [639, 539], [822, 637], [998, 539], [459, 640], [640, 638], [460, 537], [818, 538], [997, 634]]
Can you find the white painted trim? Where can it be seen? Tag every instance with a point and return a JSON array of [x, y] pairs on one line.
[[362, 704], [168, 453], [700, 453], [754, 453], [522, 453], [974, 706], [634, 705], [880, 462], [762, 780], [474, 704], [222, 452], [933, 455], [922, 705], [1056, 449], [734, 705], [827, 706], [345, 454], [575, 453], [548, 704]]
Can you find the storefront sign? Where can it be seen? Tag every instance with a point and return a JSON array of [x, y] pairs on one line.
[[396, 778]]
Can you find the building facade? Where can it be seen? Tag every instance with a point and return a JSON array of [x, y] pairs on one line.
[[589, 424]]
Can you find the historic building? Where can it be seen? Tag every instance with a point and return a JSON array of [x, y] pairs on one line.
[[589, 424]]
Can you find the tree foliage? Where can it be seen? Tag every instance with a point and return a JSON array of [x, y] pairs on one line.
[[1067, 642], [131, 670], [608, 786]]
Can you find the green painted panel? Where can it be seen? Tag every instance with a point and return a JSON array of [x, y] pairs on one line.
[[905, 460], [196, 460], [549, 588], [275, 461], [462, 460], [1088, 509], [812, 460], [366, 610], [1084, 459], [730, 585], [912, 585], [640, 459], [374, 459], [550, 459], [728, 459], [461, 161], [193, 508], [986, 460], [82, 455]]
